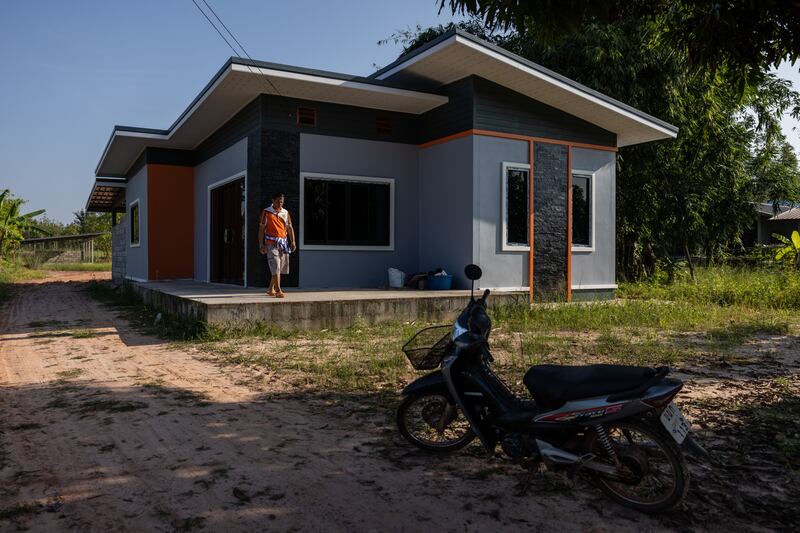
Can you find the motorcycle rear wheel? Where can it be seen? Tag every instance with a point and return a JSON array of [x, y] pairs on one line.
[[658, 477], [420, 421]]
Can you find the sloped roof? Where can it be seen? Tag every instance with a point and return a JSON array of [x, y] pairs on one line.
[[235, 85], [791, 214], [457, 54]]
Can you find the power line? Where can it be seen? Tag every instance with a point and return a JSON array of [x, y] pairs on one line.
[[235, 52]]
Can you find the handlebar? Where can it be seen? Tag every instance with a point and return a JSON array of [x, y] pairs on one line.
[[485, 295]]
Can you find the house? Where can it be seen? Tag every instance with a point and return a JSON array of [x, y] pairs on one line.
[[458, 152], [771, 218]]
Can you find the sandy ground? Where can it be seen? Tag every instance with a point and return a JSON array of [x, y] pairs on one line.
[[104, 429]]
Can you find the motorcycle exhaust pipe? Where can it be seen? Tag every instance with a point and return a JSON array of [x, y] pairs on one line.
[[558, 456]]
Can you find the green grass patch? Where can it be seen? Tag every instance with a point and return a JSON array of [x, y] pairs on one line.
[[725, 286], [14, 273], [77, 267], [70, 374]]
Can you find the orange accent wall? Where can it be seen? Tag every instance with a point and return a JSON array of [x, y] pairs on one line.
[[170, 222]]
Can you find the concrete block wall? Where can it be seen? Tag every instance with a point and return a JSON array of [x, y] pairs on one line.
[[119, 248]]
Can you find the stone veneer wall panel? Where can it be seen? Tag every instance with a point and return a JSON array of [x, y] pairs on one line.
[[550, 218]]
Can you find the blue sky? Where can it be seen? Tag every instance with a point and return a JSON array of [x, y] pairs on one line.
[[73, 69]]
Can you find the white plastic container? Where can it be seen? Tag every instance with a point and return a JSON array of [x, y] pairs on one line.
[[396, 278]]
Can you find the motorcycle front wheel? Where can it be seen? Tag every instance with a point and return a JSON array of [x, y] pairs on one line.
[[652, 472], [430, 421]]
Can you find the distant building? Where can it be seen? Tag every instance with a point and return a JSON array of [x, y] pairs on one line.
[[782, 220]]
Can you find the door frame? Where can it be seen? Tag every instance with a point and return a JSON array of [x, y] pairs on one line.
[[217, 184]]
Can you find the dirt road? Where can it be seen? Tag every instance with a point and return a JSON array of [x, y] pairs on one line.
[[104, 429]]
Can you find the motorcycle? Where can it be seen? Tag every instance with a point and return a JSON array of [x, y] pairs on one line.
[[616, 423]]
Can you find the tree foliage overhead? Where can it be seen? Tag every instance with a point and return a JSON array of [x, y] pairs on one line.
[[681, 197], [741, 38]]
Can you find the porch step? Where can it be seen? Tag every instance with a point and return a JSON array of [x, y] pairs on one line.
[[306, 309]]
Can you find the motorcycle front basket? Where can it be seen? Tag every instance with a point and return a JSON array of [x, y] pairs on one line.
[[428, 347]]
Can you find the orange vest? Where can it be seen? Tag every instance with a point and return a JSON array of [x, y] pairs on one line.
[[274, 224]]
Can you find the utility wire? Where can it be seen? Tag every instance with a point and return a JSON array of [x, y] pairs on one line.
[[235, 52]]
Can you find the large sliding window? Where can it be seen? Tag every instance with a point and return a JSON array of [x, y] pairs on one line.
[[582, 211], [515, 198], [346, 212]]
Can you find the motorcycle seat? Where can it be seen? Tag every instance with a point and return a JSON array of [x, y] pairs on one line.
[[553, 385]]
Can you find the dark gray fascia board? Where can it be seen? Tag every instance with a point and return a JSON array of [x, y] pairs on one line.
[[529, 64]]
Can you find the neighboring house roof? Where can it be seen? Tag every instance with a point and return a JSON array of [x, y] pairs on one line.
[[768, 208], [791, 214], [401, 87], [79, 236], [457, 54]]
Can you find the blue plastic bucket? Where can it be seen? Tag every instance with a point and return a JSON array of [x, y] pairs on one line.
[[439, 283]]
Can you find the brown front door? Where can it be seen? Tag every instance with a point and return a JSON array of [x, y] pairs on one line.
[[227, 233]]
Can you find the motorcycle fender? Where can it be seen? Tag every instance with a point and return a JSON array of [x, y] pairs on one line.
[[432, 381], [693, 448]]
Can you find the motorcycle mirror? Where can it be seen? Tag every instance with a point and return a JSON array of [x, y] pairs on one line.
[[473, 272]]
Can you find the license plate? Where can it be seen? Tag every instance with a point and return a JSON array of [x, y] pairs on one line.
[[675, 423]]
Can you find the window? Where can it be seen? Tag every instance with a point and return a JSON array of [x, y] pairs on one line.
[[343, 212], [515, 200], [134, 218], [383, 126], [306, 116], [582, 211]]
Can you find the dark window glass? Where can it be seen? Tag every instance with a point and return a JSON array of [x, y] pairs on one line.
[[135, 224], [581, 210], [517, 207], [307, 116], [346, 213]]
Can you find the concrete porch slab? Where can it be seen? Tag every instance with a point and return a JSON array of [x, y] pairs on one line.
[[307, 309]]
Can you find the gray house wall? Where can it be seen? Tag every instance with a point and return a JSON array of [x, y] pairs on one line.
[[226, 164], [357, 157], [136, 260], [445, 207], [598, 267], [506, 269]]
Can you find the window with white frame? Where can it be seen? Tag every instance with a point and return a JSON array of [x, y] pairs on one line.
[[582, 211], [134, 221], [515, 199], [346, 212]]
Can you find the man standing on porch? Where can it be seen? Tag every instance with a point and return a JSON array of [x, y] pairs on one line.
[[275, 225]]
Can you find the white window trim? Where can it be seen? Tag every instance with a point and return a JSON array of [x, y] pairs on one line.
[[579, 248], [503, 209], [239, 175], [138, 223], [339, 177]]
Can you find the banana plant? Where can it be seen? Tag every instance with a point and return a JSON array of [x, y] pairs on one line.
[[14, 224], [790, 252]]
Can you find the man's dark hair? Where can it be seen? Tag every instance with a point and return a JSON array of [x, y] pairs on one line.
[[278, 195]]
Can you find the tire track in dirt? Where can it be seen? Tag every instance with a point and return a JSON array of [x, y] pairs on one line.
[[111, 430]]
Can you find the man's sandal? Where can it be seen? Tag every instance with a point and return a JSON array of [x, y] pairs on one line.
[[271, 292], [280, 295]]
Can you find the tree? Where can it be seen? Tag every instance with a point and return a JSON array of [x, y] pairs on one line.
[[14, 225], [740, 39], [85, 222]]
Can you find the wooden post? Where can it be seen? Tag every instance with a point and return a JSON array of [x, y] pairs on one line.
[[569, 223], [530, 221]]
